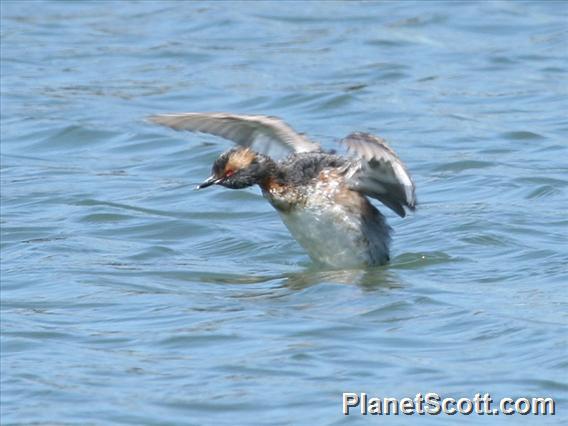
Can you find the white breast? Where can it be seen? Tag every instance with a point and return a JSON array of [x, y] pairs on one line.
[[335, 234]]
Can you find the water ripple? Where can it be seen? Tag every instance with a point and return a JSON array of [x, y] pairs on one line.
[[128, 297]]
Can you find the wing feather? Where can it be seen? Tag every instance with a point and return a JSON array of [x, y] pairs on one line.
[[264, 134], [379, 173]]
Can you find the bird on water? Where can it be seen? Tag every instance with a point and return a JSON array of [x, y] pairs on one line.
[[321, 197]]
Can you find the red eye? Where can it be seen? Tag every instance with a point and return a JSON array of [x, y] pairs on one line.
[[229, 173]]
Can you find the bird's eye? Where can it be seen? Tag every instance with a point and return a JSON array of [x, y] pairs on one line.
[[229, 173]]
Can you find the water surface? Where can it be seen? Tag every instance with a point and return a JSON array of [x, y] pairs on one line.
[[129, 298]]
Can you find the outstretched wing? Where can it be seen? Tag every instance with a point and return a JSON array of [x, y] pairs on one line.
[[264, 134], [379, 173]]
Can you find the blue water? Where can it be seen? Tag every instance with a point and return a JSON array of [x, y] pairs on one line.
[[129, 298]]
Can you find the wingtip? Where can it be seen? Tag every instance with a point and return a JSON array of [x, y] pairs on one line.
[[151, 119], [407, 208], [166, 120], [412, 206], [155, 118]]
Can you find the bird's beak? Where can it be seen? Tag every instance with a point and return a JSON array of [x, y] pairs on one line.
[[211, 180]]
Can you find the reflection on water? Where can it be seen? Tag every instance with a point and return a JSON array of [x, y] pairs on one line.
[[369, 280]]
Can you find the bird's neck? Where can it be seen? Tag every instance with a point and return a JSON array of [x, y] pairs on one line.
[[269, 176]]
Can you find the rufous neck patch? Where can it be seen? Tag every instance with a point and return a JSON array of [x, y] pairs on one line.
[[270, 184]]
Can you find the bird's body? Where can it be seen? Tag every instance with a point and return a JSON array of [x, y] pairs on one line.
[[335, 225], [321, 197]]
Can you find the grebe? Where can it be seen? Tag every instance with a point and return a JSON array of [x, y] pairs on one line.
[[320, 196]]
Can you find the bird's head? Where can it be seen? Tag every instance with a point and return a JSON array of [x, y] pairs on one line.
[[238, 168]]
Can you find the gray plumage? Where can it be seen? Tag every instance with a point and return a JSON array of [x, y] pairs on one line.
[[320, 196], [261, 133], [379, 173], [298, 169]]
